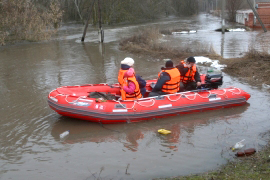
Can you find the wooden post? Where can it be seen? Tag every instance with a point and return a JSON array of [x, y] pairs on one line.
[[86, 24], [257, 15], [223, 16], [100, 32], [222, 46]]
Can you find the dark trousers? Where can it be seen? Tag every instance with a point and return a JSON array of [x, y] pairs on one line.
[[188, 86], [157, 93]]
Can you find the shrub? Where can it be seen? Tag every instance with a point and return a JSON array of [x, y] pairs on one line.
[[24, 20]]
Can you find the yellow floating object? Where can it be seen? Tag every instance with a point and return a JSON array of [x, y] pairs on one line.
[[164, 131]]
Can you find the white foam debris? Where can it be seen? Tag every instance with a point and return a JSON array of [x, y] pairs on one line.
[[214, 63], [266, 86], [181, 32], [237, 30], [165, 60], [202, 59], [218, 66], [184, 32], [192, 31]]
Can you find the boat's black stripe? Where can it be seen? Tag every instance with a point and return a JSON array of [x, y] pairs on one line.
[[148, 114]]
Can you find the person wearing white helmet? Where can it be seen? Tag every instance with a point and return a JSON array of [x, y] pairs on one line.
[[126, 69], [131, 88]]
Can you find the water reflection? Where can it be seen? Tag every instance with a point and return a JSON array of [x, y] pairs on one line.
[[130, 135]]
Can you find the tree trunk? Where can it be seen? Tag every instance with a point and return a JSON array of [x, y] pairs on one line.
[[86, 24], [100, 32], [78, 9]]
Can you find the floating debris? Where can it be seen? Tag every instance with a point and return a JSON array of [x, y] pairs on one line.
[[246, 152], [238, 145], [237, 30], [265, 86], [164, 131], [184, 32], [214, 63]]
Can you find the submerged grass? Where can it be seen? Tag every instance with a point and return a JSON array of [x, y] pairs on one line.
[[148, 41]]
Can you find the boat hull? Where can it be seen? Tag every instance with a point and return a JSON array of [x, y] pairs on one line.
[[73, 101]]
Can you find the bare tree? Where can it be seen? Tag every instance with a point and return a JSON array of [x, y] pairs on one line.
[[76, 2], [115, 11], [183, 7], [232, 7]]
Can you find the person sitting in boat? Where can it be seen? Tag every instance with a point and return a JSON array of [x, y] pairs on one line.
[[130, 88], [142, 84], [190, 77], [168, 80], [126, 64], [127, 67]]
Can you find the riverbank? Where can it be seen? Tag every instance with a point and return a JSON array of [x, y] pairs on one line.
[[253, 68], [256, 166]]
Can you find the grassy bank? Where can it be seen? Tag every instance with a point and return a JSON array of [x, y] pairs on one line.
[[256, 166], [253, 68]]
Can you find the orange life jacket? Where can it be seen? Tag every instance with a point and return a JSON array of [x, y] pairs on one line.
[[172, 86], [137, 93], [189, 76], [121, 74]]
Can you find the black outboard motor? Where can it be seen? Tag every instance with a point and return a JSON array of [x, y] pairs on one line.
[[213, 79]]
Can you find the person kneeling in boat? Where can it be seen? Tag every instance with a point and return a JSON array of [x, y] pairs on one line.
[[130, 88], [190, 77], [168, 81]]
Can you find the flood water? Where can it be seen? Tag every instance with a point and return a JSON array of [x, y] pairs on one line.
[[30, 147]]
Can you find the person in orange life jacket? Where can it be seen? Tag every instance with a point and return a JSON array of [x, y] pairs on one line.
[[127, 80], [190, 77], [168, 81], [126, 64]]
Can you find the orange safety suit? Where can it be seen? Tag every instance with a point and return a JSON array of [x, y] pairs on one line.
[[137, 93], [172, 86], [121, 74], [189, 76]]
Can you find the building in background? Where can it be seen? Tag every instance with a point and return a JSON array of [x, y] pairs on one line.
[[248, 18]]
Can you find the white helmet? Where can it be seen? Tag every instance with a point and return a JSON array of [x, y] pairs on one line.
[[128, 61]]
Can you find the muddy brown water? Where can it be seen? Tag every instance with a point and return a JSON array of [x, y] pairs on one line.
[[30, 147]]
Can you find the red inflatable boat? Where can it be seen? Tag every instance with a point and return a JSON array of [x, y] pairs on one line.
[[79, 102]]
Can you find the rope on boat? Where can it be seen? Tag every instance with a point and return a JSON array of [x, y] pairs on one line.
[[76, 100], [239, 90], [180, 95], [124, 106], [136, 102], [152, 99]]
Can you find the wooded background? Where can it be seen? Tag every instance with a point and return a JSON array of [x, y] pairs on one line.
[[37, 19]]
